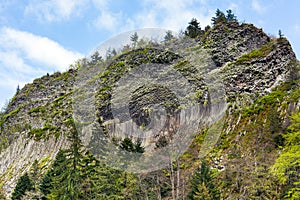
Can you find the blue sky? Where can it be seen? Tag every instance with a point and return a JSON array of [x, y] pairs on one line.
[[40, 36]]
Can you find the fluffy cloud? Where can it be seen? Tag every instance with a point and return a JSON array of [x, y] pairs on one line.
[[38, 49], [107, 20], [256, 6], [55, 10], [172, 14], [24, 56]]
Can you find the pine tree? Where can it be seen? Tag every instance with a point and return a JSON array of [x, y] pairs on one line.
[[95, 58], [169, 36], [129, 146], [18, 89], [202, 186], [280, 34], [230, 17], [220, 17], [193, 30], [24, 184], [138, 146], [134, 39], [48, 182]]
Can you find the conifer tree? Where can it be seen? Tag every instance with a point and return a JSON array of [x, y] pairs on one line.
[[134, 39], [48, 182], [202, 186], [169, 36], [219, 18], [193, 29], [230, 17], [24, 184]]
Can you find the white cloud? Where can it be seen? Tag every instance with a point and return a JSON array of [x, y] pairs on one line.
[[256, 5], [108, 20], [24, 56], [100, 4], [37, 49], [173, 14], [233, 6], [55, 10], [169, 14]]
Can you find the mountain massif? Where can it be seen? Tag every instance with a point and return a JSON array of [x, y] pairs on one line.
[[256, 155]]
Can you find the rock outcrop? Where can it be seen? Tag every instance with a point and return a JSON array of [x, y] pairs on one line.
[[37, 120]]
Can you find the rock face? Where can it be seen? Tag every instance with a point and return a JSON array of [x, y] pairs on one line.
[[35, 126], [230, 41], [259, 70], [36, 122]]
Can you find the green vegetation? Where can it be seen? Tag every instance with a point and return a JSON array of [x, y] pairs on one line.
[[12, 113], [257, 53], [202, 184], [193, 30], [267, 101], [287, 166], [39, 109], [129, 146], [76, 174], [44, 132], [24, 184], [255, 157]]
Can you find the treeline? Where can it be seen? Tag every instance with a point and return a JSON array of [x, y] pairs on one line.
[[77, 174], [194, 30]]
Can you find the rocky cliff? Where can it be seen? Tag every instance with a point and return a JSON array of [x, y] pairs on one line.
[[37, 121]]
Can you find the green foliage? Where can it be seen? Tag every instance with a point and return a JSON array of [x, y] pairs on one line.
[[262, 103], [257, 53], [219, 18], [202, 186], [24, 184], [78, 175], [169, 36], [287, 166], [134, 39], [193, 30], [12, 113], [47, 183], [280, 34], [129, 146], [96, 58], [44, 132], [230, 17], [39, 109]]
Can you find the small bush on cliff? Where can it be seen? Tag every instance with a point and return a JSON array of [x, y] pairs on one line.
[[24, 184]]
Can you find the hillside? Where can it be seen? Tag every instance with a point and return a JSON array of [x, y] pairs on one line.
[[244, 88]]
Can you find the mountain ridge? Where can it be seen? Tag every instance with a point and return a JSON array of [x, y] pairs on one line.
[[37, 121]]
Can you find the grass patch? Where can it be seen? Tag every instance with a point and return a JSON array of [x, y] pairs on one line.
[[39, 109], [257, 53], [12, 113], [41, 133]]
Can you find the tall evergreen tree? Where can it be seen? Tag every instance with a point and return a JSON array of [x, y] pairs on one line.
[[219, 18], [95, 58], [230, 17], [129, 146], [48, 182], [169, 36], [202, 186], [193, 30], [134, 39], [24, 184]]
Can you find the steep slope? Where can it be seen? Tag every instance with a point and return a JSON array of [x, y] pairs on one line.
[[38, 120]]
